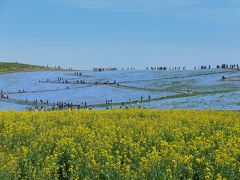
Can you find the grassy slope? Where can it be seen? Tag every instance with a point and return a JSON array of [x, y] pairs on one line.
[[17, 67]]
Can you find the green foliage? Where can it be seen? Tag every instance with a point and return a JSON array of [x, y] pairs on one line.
[[18, 67]]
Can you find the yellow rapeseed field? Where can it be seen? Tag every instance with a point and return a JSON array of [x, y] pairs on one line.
[[120, 144]]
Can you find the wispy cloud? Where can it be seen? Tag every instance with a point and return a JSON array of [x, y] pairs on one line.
[[129, 4], [145, 4], [220, 10]]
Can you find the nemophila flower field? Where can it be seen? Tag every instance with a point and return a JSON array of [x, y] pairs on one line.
[[120, 144], [183, 89]]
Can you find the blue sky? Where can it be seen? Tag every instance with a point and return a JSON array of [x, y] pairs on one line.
[[122, 33]]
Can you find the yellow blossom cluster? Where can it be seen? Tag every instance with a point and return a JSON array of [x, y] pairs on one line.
[[120, 144]]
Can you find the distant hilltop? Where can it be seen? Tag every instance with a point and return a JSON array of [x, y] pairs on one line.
[[7, 67], [19, 67]]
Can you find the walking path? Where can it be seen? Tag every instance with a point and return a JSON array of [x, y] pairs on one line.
[[49, 90], [104, 105]]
